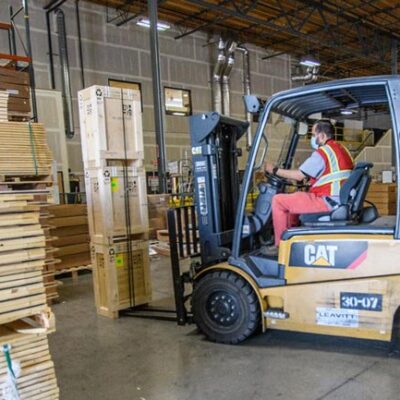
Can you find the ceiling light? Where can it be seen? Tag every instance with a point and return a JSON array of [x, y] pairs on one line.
[[309, 61], [161, 26], [346, 111]]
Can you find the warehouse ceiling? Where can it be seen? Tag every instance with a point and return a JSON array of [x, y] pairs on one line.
[[350, 38]]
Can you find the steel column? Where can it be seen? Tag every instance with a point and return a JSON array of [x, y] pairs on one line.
[[157, 96]]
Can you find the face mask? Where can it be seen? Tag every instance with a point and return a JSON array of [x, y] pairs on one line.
[[314, 143]]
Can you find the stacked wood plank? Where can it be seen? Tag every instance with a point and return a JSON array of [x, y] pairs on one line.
[[24, 150], [3, 105], [112, 151], [27, 347], [383, 196], [69, 226], [23, 256], [16, 83]]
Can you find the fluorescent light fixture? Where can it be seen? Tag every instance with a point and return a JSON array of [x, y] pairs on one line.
[[309, 61], [346, 111], [180, 114], [161, 26]]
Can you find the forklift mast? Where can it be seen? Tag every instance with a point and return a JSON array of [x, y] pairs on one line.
[[216, 179]]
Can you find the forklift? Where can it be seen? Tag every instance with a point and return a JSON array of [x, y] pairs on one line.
[[337, 273]]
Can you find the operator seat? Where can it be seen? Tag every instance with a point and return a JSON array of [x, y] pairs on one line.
[[352, 196]]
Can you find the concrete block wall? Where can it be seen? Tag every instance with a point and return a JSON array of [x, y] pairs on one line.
[[380, 154], [123, 53]]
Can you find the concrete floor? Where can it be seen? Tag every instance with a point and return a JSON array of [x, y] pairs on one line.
[[138, 359]]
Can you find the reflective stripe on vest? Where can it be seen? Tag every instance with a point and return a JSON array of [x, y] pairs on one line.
[[333, 177]]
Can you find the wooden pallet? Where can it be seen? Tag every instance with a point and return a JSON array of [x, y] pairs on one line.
[[104, 114], [74, 271]]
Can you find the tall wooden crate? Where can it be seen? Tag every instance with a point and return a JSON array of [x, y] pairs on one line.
[[115, 180], [121, 281], [107, 193], [111, 125]]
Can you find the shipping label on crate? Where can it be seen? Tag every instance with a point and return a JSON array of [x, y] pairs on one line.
[[119, 260]]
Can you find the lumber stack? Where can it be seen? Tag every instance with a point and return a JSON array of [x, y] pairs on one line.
[[115, 180], [383, 196], [69, 226], [23, 254], [17, 85], [24, 150], [3, 105], [27, 347]]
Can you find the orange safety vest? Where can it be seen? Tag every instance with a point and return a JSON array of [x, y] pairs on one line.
[[338, 167]]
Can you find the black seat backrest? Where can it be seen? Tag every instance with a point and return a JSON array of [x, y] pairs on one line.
[[354, 190]]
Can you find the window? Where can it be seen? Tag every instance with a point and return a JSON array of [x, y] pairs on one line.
[[177, 101], [127, 85]]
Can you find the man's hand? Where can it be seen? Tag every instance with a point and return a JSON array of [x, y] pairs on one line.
[[269, 168]]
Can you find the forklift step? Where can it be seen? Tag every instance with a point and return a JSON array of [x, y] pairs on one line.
[[276, 313]]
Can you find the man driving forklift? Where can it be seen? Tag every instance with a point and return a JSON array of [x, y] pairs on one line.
[[326, 170]]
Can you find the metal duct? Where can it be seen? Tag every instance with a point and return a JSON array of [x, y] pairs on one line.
[[65, 75], [225, 79], [247, 90], [310, 76], [217, 74]]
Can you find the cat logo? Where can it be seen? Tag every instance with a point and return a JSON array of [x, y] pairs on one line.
[[345, 254], [320, 255]]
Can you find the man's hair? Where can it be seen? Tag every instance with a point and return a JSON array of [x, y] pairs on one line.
[[325, 126]]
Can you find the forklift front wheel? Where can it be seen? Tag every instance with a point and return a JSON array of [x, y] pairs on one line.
[[225, 307]]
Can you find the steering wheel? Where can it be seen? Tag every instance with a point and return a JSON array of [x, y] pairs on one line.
[[278, 181]]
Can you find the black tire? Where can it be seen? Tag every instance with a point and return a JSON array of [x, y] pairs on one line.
[[225, 307]]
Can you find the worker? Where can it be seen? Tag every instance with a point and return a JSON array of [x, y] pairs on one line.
[[326, 170]]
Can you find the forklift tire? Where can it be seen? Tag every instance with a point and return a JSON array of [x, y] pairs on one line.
[[225, 307]]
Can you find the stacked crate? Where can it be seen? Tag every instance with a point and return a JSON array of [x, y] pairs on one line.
[[112, 149], [383, 196]]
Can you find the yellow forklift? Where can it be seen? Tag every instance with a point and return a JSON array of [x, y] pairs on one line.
[[337, 273]]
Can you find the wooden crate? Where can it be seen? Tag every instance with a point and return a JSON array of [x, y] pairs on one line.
[[112, 277], [383, 196], [106, 201], [111, 125]]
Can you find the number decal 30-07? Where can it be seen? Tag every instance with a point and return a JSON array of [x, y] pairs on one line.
[[361, 301]]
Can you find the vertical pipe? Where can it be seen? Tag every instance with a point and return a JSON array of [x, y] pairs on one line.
[[157, 96], [50, 47], [394, 56], [65, 74], [11, 34], [29, 49], [247, 90], [78, 24]]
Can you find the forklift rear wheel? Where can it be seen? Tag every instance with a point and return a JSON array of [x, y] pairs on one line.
[[225, 307]]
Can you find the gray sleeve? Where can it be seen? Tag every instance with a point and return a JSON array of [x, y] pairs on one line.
[[314, 165]]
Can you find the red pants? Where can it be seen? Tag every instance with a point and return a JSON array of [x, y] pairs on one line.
[[286, 208]]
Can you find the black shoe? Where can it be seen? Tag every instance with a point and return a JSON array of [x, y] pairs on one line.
[[271, 251]]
